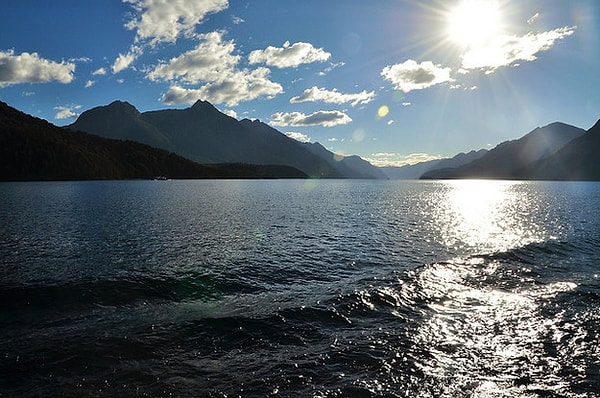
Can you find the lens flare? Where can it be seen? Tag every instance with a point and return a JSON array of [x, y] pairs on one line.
[[383, 111], [338, 156], [358, 135]]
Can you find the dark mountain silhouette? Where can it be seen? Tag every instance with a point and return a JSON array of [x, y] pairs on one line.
[[578, 160], [511, 156], [461, 159], [124, 123], [415, 171], [33, 149], [354, 166], [409, 171], [204, 134]]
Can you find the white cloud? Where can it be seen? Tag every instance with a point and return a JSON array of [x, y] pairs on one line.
[[231, 89], [236, 20], [406, 103], [333, 96], [89, 83], [231, 113], [415, 158], [30, 68], [507, 50], [66, 112], [331, 67], [99, 71], [298, 136], [533, 18], [290, 55], [167, 20], [123, 61], [160, 21], [207, 62], [213, 63], [381, 159], [320, 118], [384, 154], [411, 75], [80, 59]]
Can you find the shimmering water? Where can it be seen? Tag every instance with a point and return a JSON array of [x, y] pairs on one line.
[[300, 288]]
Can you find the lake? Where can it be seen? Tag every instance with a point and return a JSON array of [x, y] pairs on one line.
[[312, 288]]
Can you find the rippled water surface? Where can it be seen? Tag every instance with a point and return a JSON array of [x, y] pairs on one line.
[[300, 288]]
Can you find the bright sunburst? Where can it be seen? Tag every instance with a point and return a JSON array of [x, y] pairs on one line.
[[474, 22]]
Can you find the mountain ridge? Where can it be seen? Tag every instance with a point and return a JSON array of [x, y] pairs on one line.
[[507, 158], [415, 171], [577, 160], [204, 134], [32, 149]]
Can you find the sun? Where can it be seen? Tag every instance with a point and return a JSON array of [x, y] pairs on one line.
[[474, 22]]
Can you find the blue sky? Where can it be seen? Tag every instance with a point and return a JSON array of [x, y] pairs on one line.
[[390, 80]]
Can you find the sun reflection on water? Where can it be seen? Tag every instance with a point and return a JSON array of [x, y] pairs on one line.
[[490, 340], [488, 215], [485, 326]]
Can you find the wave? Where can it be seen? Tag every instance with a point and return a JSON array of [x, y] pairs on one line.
[[77, 296]]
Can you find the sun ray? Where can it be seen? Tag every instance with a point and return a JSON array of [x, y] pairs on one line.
[[474, 22]]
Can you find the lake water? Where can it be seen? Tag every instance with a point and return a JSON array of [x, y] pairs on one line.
[[300, 289]]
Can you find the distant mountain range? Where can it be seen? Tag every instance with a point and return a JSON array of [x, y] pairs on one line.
[[204, 134], [33, 149], [415, 171], [514, 159], [577, 160], [200, 142]]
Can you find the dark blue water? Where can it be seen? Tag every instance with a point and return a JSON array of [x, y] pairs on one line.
[[300, 289]]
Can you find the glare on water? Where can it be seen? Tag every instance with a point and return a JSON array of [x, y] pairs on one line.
[[484, 327], [301, 288], [489, 215]]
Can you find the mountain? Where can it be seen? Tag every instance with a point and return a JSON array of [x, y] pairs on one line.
[[124, 123], [460, 160], [415, 171], [204, 134], [578, 160], [352, 166], [33, 149], [511, 156], [409, 171]]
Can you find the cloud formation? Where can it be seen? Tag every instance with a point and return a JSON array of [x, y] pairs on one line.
[[123, 61], [30, 68], [298, 136], [164, 21], [66, 112], [213, 64], [99, 72], [207, 62], [411, 75], [237, 20], [231, 113], [320, 118], [167, 20], [382, 159], [230, 89], [506, 50], [315, 93], [289, 56]]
